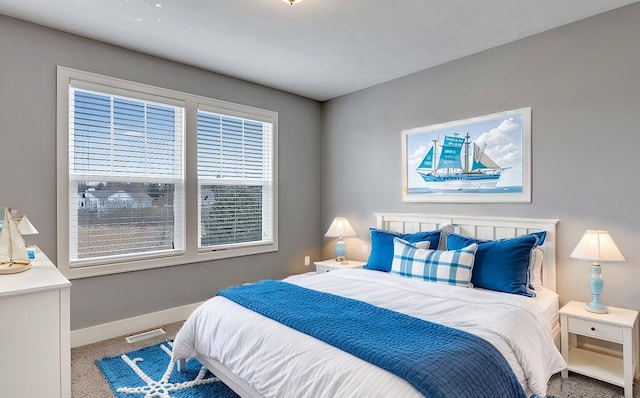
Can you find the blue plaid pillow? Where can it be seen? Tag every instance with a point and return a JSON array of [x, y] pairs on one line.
[[452, 267]]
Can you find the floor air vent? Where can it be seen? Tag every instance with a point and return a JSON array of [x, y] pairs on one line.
[[145, 335]]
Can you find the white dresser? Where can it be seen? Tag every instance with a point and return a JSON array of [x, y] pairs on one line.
[[35, 332]]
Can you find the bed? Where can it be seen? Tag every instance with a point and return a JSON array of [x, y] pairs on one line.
[[257, 356]]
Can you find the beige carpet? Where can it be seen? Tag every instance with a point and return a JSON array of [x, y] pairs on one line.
[[578, 386], [87, 380]]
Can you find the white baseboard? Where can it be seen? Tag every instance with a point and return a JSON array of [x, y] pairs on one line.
[[127, 326]]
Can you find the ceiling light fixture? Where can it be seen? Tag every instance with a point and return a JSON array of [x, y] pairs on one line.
[[292, 2]]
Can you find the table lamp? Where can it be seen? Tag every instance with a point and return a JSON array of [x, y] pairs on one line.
[[340, 228], [26, 228], [596, 246]]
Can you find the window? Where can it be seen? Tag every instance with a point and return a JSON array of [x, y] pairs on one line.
[[123, 173], [234, 179], [126, 189]]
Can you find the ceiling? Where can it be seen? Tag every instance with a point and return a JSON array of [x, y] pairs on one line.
[[319, 49]]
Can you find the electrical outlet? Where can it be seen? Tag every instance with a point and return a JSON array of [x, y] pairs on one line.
[[365, 249], [307, 260]]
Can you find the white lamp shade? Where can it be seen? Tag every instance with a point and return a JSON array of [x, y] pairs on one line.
[[340, 228], [597, 246], [25, 227], [292, 2]]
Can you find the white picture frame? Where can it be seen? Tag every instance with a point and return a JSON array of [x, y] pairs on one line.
[[483, 159]]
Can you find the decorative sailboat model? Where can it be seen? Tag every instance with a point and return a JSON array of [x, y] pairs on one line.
[[13, 251], [452, 169]]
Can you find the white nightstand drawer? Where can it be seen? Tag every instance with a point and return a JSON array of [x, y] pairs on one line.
[[594, 329], [331, 265], [321, 268]]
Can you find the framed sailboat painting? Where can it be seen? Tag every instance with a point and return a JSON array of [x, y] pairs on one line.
[[480, 159]]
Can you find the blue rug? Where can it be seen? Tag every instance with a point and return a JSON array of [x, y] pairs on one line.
[[149, 372]]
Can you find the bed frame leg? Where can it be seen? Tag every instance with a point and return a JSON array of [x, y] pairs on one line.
[[181, 365]]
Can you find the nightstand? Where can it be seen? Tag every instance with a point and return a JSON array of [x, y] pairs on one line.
[[618, 326], [331, 265]]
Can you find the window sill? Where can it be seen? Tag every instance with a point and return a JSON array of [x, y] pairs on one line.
[[90, 271]]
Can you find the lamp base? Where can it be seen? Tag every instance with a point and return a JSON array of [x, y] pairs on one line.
[[601, 309], [341, 250], [597, 283]]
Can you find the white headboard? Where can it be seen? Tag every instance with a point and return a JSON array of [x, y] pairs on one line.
[[481, 228]]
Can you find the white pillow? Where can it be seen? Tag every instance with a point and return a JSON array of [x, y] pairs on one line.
[[424, 245], [535, 268], [451, 267], [447, 228]]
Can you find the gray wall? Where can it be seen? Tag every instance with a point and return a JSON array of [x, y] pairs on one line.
[[28, 58], [582, 82]]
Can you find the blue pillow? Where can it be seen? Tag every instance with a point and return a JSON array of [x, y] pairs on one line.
[[541, 237], [502, 265], [381, 255]]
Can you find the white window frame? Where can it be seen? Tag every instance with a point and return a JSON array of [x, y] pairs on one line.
[[191, 253]]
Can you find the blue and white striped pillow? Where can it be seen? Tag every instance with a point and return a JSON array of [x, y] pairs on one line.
[[452, 267]]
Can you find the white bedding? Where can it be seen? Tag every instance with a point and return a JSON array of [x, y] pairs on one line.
[[277, 361]]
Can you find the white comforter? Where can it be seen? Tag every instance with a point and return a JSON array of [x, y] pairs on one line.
[[277, 361]]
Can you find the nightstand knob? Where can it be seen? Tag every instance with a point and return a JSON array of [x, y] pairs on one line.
[[593, 329]]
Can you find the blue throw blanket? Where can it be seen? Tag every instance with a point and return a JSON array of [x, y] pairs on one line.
[[437, 360]]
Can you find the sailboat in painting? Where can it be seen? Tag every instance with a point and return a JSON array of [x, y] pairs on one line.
[[458, 164]]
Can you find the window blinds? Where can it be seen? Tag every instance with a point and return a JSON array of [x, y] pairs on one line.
[[235, 176], [126, 177]]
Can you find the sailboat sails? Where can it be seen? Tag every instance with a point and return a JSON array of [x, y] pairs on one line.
[[454, 166], [13, 251], [450, 154], [481, 160]]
